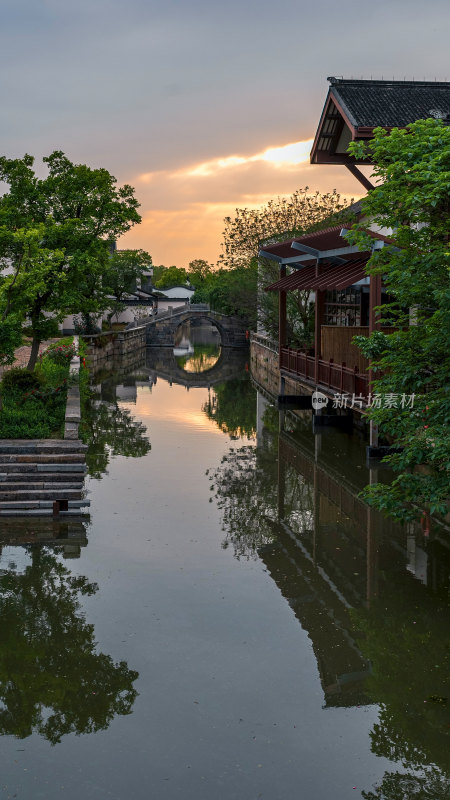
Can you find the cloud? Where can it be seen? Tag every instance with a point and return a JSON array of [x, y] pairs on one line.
[[284, 155], [185, 208]]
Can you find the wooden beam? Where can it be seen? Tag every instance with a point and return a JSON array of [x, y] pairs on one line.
[[360, 176]]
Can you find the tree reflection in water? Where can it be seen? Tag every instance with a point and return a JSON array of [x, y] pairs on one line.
[[402, 632], [52, 680], [232, 406], [108, 429]]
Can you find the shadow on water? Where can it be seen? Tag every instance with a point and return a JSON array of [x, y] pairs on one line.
[[53, 681], [373, 596]]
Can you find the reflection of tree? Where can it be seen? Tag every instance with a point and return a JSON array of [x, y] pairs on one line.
[[233, 407], [430, 785], [247, 496], [108, 430], [408, 646], [52, 680]]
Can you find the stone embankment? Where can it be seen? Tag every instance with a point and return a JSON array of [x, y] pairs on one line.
[[42, 477]]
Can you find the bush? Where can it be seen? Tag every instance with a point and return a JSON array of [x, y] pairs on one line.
[[20, 380], [61, 352]]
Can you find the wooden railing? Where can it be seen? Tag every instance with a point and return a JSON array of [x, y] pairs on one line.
[[332, 376]]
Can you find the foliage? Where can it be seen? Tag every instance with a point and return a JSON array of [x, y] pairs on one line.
[[86, 324], [61, 352], [123, 274], [231, 292], [34, 403], [54, 238], [412, 200], [277, 220], [10, 338], [20, 380], [233, 408], [172, 276], [198, 272], [52, 679]]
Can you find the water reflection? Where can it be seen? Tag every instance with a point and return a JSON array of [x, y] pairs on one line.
[[372, 595], [231, 405], [108, 428], [197, 346], [52, 679]]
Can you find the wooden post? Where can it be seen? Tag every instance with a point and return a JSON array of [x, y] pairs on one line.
[[320, 305], [374, 325], [282, 315]]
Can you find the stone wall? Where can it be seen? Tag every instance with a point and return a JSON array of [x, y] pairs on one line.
[[112, 346], [265, 369]]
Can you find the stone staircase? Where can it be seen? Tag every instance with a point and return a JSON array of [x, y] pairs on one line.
[[42, 477]]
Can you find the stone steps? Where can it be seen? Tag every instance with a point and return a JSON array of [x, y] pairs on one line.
[[59, 471], [40, 477], [38, 512], [15, 505], [38, 458], [59, 493], [14, 485], [41, 446], [36, 473]]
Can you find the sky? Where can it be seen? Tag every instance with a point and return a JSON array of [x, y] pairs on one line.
[[202, 106]]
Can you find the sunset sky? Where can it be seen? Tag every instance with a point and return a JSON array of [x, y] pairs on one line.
[[202, 106]]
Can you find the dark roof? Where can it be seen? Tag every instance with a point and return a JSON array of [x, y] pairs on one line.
[[391, 104], [323, 241], [330, 277], [353, 108]]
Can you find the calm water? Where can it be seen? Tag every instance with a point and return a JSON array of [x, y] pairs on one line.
[[232, 623]]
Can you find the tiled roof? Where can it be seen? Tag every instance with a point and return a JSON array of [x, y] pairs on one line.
[[391, 103]]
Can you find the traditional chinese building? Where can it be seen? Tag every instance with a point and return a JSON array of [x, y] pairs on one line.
[[323, 262]]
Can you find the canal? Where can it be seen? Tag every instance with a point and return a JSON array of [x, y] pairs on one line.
[[232, 621]]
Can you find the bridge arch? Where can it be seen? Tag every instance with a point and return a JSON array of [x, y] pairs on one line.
[[162, 330]]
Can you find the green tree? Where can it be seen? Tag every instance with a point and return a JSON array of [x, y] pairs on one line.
[[231, 291], [54, 238], [122, 275], [172, 276], [198, 272], [413, 200], [52, 679], [279, 219]]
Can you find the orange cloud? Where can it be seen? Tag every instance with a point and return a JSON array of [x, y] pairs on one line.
[[183, 210]]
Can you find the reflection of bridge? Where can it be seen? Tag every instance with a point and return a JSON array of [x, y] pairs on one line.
[[162, 330], [161, 363]]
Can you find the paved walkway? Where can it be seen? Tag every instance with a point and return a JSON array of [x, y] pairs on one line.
[[22, 355]]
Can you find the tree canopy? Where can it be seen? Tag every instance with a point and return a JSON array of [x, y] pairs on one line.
[[412, 199], [279, 219], [54, 238], [172, 276]]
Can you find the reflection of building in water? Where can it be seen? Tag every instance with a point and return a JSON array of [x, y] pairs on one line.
[[332, 556]]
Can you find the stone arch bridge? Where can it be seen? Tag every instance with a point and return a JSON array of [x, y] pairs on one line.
[[161, 331]]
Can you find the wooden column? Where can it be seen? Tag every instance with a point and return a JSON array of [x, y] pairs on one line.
[[374, 325], [374, 300], [319, 310], [281, 315]]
